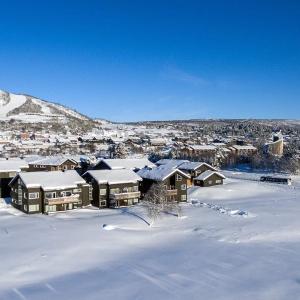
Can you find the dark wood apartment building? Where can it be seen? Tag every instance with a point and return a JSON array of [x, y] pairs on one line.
[[8, 170], [44, 192], [174, 180], [209, 178], [52, 163], [114, 188], [194, 169]]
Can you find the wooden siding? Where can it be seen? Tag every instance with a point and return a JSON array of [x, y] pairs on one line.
[[171, 184], [79, 198], [67, 165], [210, 181]]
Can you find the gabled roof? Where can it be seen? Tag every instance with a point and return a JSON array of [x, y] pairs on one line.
[[53, 180], [160, 173], [203, 147], [127, 163], [207, 174], [51, 160], [12, 165], [114, 176], [171, 162], [194, 165]]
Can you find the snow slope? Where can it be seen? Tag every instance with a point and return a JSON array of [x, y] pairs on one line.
[[9, 103], [112, 254]]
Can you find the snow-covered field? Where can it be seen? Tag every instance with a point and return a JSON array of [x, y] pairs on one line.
[[236, 241]]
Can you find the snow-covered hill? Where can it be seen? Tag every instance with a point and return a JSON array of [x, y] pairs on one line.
[[30, 109]]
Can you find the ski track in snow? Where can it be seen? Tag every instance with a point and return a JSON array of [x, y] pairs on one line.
[[222, 210]]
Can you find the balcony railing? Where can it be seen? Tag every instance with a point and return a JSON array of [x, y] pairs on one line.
[[121, 196], [172, 192], [62, 200]]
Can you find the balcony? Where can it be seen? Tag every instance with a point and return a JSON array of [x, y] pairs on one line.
[[122, 196], [172, 192], [62, 200]]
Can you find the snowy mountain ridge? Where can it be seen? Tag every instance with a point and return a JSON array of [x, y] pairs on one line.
[[31, 109]]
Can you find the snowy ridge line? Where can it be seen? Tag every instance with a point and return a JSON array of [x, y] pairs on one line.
[[20, 106], [222, 210]]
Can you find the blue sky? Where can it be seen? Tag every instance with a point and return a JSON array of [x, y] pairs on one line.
[[154, 60]]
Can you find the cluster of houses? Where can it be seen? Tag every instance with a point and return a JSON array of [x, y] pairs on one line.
[[59, 183], [167, 140]]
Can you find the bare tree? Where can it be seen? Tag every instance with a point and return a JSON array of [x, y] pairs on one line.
[[156, 202]]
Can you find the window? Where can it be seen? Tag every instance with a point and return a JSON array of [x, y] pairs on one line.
[[183, 187], [178, 177], [20, 194], [33, 196], [50, 195], [50, 208], [135, 188], [102, 192], [66, 193], [183, 197], [218, 181], [70, 206], [130, 202], [34, 207], [25, 207], [90, 193], [136, 200], [72, 167], [103, 203], [77, 190], [115, 191], [25, 196], [210, 182]]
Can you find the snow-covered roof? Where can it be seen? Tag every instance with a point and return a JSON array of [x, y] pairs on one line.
[[128, 163], [244, 147], [203, 147], [114, 176], [12, 165], [193, 165], [207, 174], [160, 173], [50, 160], [171, 162], [53, 180]]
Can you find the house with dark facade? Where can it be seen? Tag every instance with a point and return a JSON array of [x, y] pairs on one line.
[[133, 164], [114, 188], [44, 192], [174, 180], [51, 163], [209, 178], [8, 170], [194, 169]]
